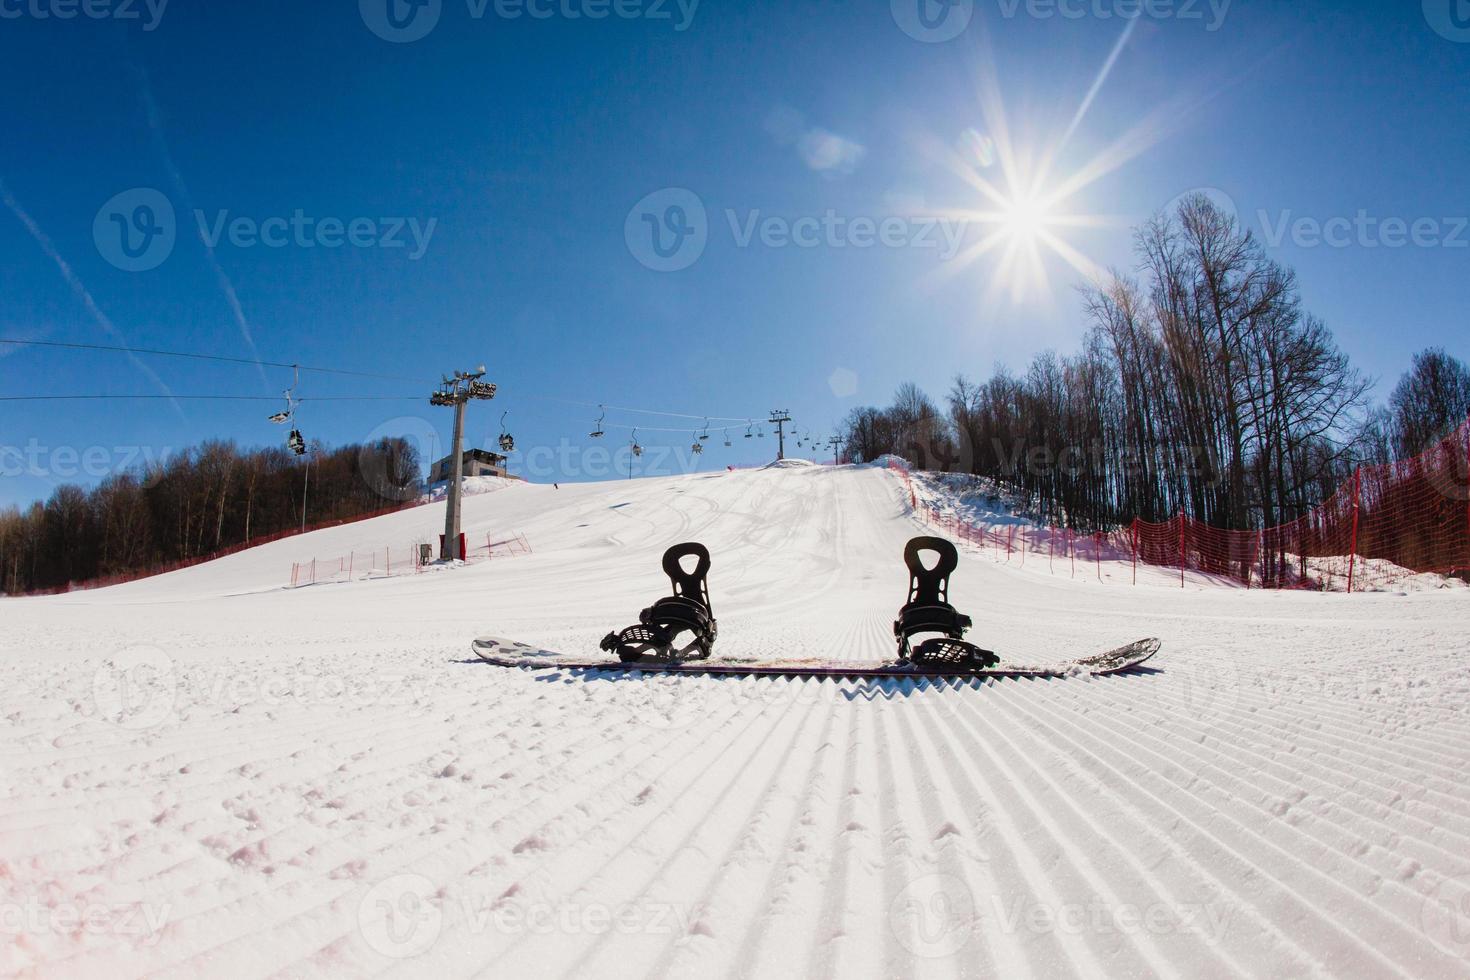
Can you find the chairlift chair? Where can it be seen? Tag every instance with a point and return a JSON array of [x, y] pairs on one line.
[[507, 441]]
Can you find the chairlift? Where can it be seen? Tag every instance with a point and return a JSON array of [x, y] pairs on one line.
[[748, 433], [697, 448], [507, 441], [597, 433], [637, 449], [760, 433], [281, 418], [727, 439], [296, 443], [704, 436]]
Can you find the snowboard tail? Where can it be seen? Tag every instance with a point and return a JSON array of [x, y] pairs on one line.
[[502, 652]]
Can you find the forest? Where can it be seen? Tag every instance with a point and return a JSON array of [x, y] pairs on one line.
[[1202, 386], [195, 504]]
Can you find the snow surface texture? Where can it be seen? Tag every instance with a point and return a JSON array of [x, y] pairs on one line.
[[208, 775]]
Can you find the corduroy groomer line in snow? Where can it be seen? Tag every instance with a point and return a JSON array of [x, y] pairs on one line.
[[207, 774]]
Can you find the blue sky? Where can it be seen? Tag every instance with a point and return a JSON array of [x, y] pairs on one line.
[[477, 195]]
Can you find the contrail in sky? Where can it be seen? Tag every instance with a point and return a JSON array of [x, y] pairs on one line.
[[155, 124], [72, 280]]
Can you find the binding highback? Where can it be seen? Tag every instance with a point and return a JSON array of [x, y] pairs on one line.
[[930, 586], [694, 584]]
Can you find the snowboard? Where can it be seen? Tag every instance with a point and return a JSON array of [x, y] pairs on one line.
[[510, 653]]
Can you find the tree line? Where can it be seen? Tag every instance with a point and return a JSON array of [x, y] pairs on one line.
[[208, 499], [1202, 385]]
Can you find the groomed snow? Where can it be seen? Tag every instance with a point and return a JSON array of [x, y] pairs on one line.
[[205, 774]]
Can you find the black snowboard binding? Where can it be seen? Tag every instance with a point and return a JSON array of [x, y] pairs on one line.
[[688, 610], [928, 611]]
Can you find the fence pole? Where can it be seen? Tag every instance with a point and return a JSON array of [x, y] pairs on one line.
[[1181, 547], [1133, 543], [1467, 493], [1357, 502]]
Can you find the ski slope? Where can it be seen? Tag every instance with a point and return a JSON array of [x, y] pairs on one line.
[[206, 774]]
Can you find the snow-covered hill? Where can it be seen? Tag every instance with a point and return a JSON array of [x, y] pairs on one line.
[[205, 773]]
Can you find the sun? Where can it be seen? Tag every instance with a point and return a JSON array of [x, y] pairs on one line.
[[1024, 195], [1024, 217]]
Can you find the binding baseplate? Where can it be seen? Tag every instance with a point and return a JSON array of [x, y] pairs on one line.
[[661, 627], [928, 611]]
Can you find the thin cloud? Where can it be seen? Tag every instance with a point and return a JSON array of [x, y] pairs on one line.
[[155, 125], [827, 153], [822, 150], [72, 280]]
